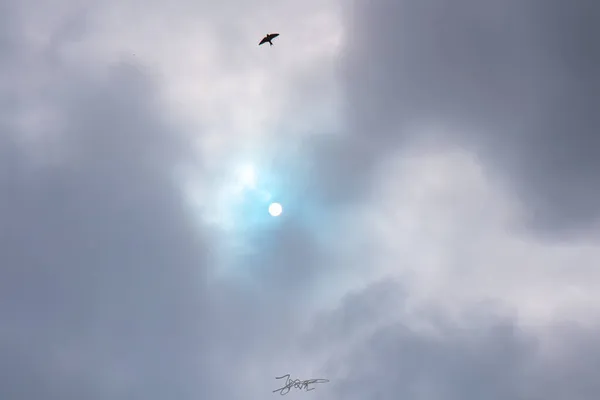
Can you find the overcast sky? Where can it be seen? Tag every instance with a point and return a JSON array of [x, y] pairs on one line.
[[438, 164]]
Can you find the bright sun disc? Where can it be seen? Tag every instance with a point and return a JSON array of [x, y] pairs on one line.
[[275, 209]]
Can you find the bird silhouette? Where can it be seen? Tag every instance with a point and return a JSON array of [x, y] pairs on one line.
[[268, 38]]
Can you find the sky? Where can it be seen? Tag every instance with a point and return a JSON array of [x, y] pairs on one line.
[[436, 163]]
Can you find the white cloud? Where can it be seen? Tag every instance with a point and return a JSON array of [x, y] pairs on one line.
[[454, 233]]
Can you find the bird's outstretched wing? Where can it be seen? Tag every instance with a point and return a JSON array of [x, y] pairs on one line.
[[264, 40]]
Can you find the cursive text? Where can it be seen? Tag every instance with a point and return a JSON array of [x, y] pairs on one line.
[[297, 383]]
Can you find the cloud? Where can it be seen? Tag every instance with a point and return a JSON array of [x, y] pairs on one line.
[[425, 353], [104, 266], [102, 273], [465, 306], [108, 284], [515, 81]]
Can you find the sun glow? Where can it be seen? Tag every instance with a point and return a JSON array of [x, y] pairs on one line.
[[247, 176]]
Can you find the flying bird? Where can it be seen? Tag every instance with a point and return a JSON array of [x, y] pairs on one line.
[[268, 38]]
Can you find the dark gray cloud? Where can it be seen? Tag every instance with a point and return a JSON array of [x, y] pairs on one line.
[[516, 81], [102, 277], [425, 354], [103, 290]]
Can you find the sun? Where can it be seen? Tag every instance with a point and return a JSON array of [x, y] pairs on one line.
[[275, 209]]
